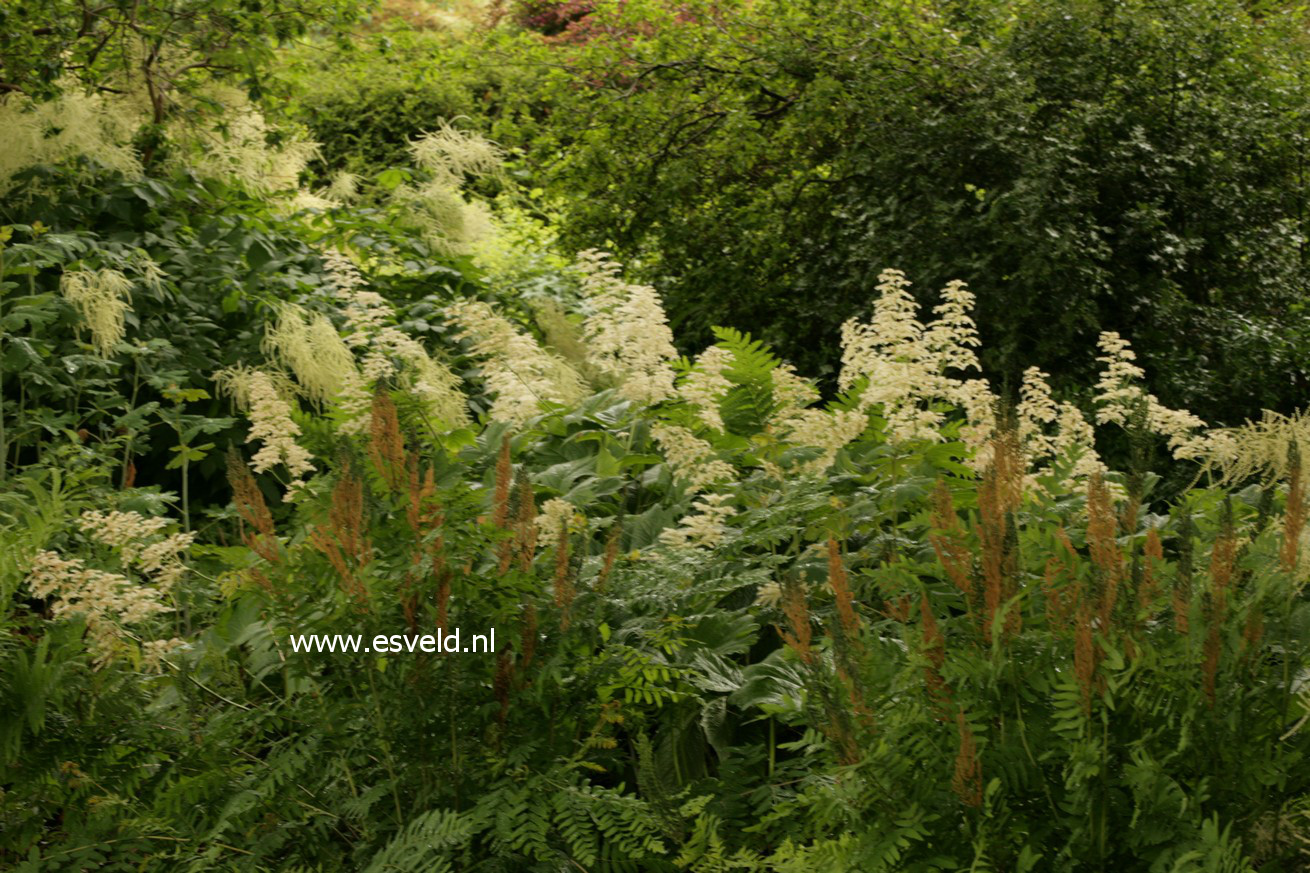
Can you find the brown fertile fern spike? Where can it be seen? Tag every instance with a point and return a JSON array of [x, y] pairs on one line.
[[1153, 560], [898, 609], [1106, 557], [797, 612], [443, 599], [413, 507], [385, 446], [999, 496], [528, 638], [967, 779], [934, 650], [500, 498], [563, 582], [1060, 582], [502, 682], [841, 589], [948, 542], [344, 540], [1181, 607], [1086, 655], [845, 636], [252, 509], [611, 555], [525, 528], [991, 534]]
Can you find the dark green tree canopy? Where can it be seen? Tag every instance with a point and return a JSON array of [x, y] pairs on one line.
[[169, 45], [1085, 165]]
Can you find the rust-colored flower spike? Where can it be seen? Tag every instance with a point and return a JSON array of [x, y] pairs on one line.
[[996, 501], [948, 541], [934, 650], [1152, 562], [898, 609], [611, 555], [1181, 607], [797, 612], [345, 541], [1060, 585], [841, 589], [417, 497], [1008, 467], [1106, 557], [443, 600], [528, 638], [253, 511], [967, 779], [1223, 559], [1086, 654], [1253, 631], [563, 583], [525, 528], [386, 447], [504, 479], [1293, 517]]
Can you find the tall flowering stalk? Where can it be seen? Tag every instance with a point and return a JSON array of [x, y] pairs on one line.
[[999, 495], [797, 611], [904, 364], [563, 583], [312, 349], [691, 459], [151, 564], [949, 541], [385, 352], [102, 297], [518, 371], [934, 652], [1152, 565], [386, 447], [1120, 397], [705, 385], [257, 392], [1107, 560], [257, 528], [966, 781], [500, 505], [344, 539], [626, 330]]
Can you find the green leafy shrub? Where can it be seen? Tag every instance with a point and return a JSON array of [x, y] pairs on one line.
[[733, 629]]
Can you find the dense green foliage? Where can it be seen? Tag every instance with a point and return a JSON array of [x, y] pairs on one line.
[[1085, 166], [249, 392]]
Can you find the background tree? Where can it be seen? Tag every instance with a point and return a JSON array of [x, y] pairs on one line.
[[1084, 165]]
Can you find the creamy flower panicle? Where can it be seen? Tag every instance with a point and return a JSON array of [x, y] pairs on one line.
[[380, 344], [692, 459], [705, 527], [111, 602], [555, 516], [270, 423], [704, 386], [518, 371], [627, 332]]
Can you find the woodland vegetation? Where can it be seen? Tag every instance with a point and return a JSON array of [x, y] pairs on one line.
[[873, 429]]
